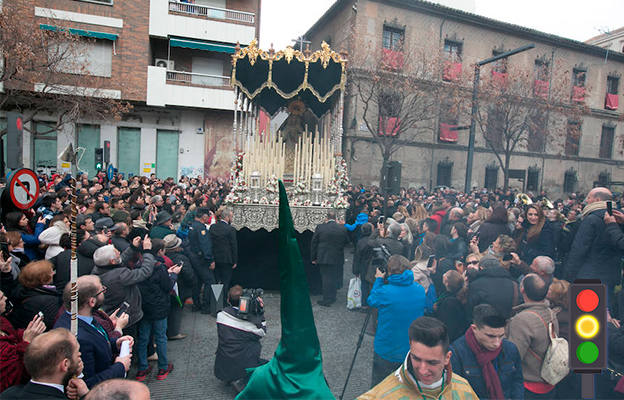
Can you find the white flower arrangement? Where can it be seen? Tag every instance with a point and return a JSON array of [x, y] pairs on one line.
[[342, 178], [341, 202], [263, 200], [275, 201], [272, 185], [300, 188]]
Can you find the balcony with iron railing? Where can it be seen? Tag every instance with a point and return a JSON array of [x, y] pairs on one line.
[[198, 10]]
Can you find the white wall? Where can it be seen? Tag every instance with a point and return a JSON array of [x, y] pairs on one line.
[[163, 24], [159, 93]]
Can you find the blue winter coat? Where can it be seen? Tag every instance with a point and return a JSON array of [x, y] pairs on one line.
[[508, 365], [400, 302], [361, 219]]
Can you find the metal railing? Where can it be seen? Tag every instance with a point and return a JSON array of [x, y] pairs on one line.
[[212, 12], [196, 79]]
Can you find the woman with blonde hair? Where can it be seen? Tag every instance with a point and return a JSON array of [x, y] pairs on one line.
[[419, 212]]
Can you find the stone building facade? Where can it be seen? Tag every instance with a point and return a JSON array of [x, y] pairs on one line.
[[360, 25], [170, 60]]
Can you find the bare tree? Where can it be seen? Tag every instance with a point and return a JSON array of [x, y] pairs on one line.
[[399, 90], [46, 71], [517, 107]]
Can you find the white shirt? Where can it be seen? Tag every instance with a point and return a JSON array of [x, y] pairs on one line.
[[54, 385]]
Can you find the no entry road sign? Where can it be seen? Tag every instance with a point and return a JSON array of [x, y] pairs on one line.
[[24, 188]]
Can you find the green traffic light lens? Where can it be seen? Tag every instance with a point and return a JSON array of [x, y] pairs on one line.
[[587, 352]]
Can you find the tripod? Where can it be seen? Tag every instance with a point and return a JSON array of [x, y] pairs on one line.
[[357, 348]]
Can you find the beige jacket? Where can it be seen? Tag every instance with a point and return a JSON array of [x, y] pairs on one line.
[[528, 330]]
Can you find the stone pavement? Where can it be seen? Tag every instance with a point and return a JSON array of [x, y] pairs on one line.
[[338, 330]]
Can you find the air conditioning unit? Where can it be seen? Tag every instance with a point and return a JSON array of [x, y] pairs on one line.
[[169, 64]]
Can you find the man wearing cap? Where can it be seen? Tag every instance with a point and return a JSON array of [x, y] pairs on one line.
[[162, 226], [201, 257], [186, 282]]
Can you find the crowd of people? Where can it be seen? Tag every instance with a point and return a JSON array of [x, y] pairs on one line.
[[494, 268], [144, 246], [470, 284]]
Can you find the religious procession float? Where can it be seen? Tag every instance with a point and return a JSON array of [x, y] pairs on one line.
[[304, 152]]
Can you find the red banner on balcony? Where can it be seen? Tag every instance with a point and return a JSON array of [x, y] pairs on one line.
[[540, 88], [389, 126], [611, 101], [578, 94], [264, 120], [448, 133], [499, 79], [452, 71], [392, 59]]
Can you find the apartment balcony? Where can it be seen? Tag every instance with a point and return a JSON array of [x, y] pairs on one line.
[[173, 18], [188, 89], [196, 10]]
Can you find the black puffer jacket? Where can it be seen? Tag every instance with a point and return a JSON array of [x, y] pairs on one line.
[[493, 286], [61, 263], [186, 278], [155, 292], [28, 302], [85, 253]]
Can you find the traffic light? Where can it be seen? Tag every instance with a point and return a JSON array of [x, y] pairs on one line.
[[107, 151], [99, 158], [15, 126], [588, 326]]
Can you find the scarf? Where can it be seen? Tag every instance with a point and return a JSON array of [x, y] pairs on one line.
[[484, 359], [590, 208]]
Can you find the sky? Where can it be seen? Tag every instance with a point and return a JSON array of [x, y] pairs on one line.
[[283, 20]]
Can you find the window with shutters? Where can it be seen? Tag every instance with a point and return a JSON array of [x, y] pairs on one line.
[[445, 172], [573, 138], [491, 177], [533, 179], [606, 141]]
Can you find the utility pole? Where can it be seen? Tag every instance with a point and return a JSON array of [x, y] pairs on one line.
[[475, 108]]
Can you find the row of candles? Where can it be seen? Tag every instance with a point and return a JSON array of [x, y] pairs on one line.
[[314, 156]]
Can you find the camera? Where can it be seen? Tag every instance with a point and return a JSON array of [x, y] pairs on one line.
[[380, 257], [249, 307]]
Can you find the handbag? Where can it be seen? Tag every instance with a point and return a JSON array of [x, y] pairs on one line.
[[555, 364], [354, 295]]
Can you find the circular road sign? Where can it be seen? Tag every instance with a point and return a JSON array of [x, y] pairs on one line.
[[110, 172], [24, 188]]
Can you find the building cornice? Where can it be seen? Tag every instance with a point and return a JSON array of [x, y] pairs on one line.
[[448, 13]]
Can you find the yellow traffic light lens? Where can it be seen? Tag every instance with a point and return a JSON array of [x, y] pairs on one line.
[[587, 326]]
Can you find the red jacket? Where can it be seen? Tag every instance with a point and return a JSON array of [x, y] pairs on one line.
[[12, 349], [438, 216]]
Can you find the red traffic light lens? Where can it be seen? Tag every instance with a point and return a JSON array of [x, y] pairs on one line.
[[19, 124], [587, 300]]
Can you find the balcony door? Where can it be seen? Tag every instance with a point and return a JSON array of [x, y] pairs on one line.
[[207, 66], [167, 154]]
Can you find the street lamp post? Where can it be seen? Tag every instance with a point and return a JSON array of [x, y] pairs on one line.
[[475, 108]]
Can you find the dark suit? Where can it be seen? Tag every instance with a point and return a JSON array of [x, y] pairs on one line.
[[327, 249], [96, 350], [225, 252], [200, 247], [32, 391]]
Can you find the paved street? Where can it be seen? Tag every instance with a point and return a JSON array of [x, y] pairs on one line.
[[338, 331]]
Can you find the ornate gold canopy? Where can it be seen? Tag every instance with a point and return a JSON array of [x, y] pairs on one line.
[[271, 78]]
